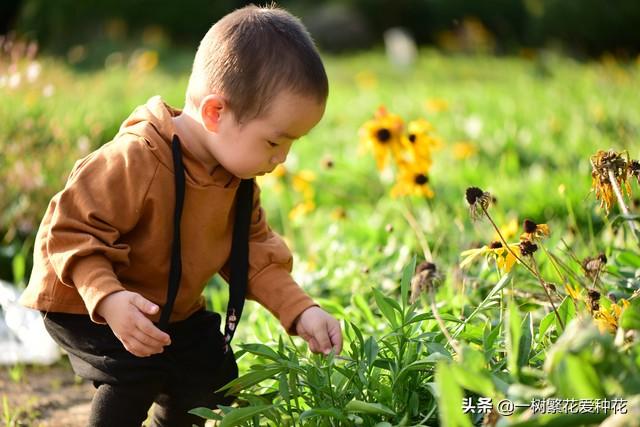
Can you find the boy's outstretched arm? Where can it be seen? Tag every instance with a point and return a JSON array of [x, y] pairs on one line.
[[320, 329]]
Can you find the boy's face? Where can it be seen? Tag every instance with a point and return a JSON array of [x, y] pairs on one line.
[[259, 145]]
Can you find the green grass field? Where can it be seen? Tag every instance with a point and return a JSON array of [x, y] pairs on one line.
[[528, 127]]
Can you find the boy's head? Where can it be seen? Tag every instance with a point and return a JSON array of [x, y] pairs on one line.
[[251, 55], [257, 85]]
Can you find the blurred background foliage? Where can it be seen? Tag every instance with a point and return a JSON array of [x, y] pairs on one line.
[[583, 27]]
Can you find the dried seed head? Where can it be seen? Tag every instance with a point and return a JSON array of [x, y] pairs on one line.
[[473, 194], [529, 226], [527, 247], [593, 266], [593, 298], [327, 163], [552, 287], [478, 200], [495, 244], [426, 278]]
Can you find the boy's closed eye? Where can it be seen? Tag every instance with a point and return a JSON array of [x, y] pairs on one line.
[[272, 144]]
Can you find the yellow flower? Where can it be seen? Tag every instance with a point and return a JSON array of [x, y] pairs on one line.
[[607, 319], [273, 179], [505, 260], [436, 105], [412, 180], [383, 135], [302, 183], [463, 150], [508, 231], [301, 209], [421, 140], [534, 231], [573, 292]]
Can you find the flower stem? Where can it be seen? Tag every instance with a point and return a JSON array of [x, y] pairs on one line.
[[533, 270], [546, 291], [413, 223], [452, 342], [623, 207]]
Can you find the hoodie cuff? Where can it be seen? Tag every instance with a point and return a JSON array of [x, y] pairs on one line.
[[275, 289], [94, 279]]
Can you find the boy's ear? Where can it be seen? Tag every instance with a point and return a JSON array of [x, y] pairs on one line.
[[211, 108]]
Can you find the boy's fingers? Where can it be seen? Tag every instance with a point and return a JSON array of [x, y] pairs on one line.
[[336, 338], [147, 328], [144, 305], [322, 338]]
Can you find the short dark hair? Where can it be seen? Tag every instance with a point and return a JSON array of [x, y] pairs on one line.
[[252, 54]]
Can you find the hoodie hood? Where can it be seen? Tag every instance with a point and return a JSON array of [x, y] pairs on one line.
[[153, 121]]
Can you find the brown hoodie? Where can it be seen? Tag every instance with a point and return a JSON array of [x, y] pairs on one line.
[[110, 229]]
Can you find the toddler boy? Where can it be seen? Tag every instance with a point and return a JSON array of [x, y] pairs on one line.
[[161, 201]]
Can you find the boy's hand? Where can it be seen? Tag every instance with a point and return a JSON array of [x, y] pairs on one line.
[[124, 312], [320, 330]]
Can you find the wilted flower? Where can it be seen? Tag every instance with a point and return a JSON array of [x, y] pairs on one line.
[[527, 247], [593, 266], [426, 277], [604, 162], [534, 231], [634, 169], [478, 201], [607, 318], [593, 300]]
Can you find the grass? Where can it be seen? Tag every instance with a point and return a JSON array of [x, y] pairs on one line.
[[534, 121]]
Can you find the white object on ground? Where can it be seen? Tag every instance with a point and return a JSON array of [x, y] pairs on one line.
[[23, 337]]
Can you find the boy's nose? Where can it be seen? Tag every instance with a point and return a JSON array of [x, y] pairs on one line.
[[279, 158]]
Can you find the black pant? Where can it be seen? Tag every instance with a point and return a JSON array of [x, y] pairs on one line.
[[181, 378]]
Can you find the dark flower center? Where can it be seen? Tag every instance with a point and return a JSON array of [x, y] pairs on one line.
[[495, 244], [412, 137], [473, 194], [421, 179], [603, 258], [529, 226], [527, 247], [383, 135]]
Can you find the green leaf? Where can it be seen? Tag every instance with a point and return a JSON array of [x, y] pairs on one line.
[[363, 306], [630, 318], [407, 274], [628, 258], [450, 398], [526, 339], [371, 350], [323, 412], [239, 415], [262, 350], [359, 406], [576, 378], [385, 308], [544, 325], [250, 379], [566, 311], [206, 413]]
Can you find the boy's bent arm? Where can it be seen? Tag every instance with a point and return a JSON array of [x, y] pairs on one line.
[[270, 263], [102, 200]]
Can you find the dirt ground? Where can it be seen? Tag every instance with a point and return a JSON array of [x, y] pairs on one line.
[[44, 396]]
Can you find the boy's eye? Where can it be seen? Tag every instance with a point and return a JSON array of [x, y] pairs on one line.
[[273, 144]]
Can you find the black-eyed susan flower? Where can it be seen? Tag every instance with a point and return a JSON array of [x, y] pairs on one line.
[[534, 231], [505, 259], [412, 181], [421, 140], [607, 318], [478, 201], [383, 135]]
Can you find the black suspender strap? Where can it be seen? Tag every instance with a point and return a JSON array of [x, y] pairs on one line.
[[239, 257], [175, 270]]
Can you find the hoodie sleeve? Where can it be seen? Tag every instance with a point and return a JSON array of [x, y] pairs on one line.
[[270, 263], [102, 200]]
